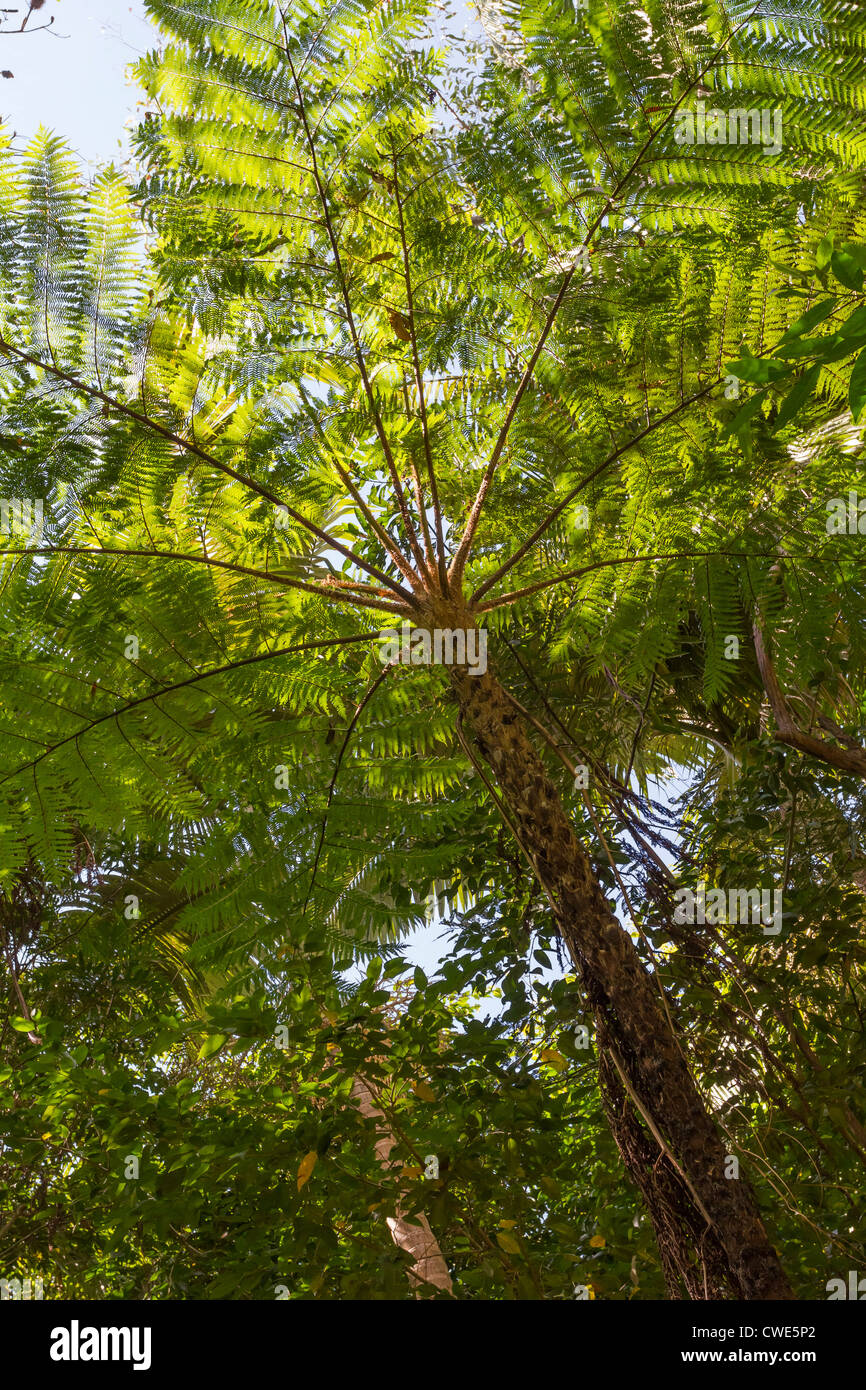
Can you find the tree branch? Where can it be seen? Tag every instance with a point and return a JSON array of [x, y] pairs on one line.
[[851, 760], [399, 495], [209, 459], [516, 594], [181, 685], [328, 591], [422, 405], [459, 561], [569, 498]]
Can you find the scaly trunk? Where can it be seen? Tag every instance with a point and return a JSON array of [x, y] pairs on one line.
[[708, 1226]]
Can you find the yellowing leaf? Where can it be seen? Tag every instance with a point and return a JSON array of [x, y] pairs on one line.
[[305, 1168], [423, 1091], [597, 1242], [555, 1058], [508, 1243], [410, 1171], [400, 325], [509, 1225]]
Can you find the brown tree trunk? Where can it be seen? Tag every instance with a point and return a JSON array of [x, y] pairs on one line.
[[416, 1238], [708, 1226]]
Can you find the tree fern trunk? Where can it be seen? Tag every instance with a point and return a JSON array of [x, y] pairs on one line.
[[708, 1226]]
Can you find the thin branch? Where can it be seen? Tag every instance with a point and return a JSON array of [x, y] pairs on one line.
[[422, 513], [375, 525], [516, 594], [590, 477], [329, 591], [399, 495], [665, 1148], [831, 727], [209, 459], [181, 685], [455, 569], [25, 1012], [422, 404], [373, 522], [353, 721], [22, 28], [781, 713], [459, 561], [846, 759]]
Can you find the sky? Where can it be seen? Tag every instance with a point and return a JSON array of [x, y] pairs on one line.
[[72, 77]]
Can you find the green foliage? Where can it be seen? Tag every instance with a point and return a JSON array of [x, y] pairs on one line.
[[355, 270]]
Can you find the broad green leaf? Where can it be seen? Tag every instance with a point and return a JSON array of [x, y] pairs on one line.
[[824, 252], [847, 269], [812, 316], [746, 413], [855, 326], [856, 250], [797, 397], [759, 370], [857, 388]]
